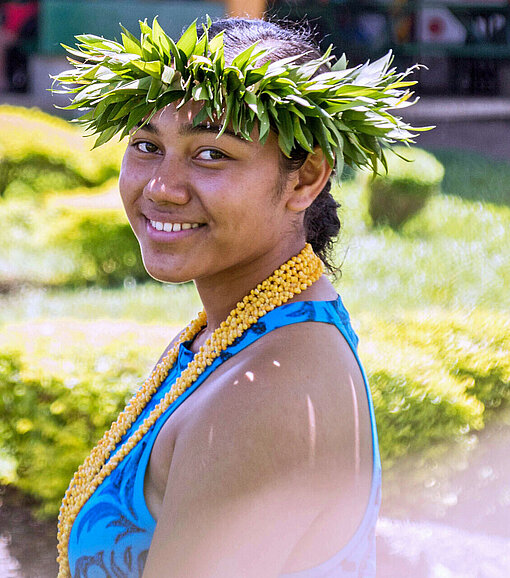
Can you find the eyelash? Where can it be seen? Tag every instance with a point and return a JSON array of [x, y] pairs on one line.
[[138, 146]]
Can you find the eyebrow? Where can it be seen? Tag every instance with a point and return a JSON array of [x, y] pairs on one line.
[[188, 129]]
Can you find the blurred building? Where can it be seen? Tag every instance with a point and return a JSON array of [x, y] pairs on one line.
[[464, 43]]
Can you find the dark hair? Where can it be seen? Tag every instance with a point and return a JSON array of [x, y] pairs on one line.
[[321, 221]]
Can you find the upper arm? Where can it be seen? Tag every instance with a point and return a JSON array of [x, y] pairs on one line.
[[267, 449]]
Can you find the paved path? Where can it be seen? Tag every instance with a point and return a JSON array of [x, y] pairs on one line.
[[450, 517]]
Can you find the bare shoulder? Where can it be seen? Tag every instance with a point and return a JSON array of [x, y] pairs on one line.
[[298, 391]]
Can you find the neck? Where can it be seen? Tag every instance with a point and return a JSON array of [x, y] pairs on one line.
[[220, 294]]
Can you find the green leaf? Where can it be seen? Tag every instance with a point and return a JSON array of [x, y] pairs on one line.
[[137, 114], [160, 39], [202, 115], [285, 131], [243, 57], [131, 45], [321, 133], [98, 42], [300, 136], [145, 29], [105, 136], [228, 113], [154, 90], [153, 68], [340, 64], [216, 44], [168, 74], [188, 40]]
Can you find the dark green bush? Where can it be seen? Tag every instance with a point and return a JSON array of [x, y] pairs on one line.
[[398, 195]]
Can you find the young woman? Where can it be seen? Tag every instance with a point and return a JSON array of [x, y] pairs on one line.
[[251, 451]]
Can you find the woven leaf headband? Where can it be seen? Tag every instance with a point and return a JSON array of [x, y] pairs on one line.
[[343, 111]]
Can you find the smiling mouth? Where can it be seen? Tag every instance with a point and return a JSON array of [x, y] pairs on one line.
[[173, 227]]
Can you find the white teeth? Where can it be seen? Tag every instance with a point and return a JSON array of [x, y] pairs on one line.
[[175, 227]]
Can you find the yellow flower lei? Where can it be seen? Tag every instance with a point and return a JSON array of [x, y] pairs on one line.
[[290, 279]]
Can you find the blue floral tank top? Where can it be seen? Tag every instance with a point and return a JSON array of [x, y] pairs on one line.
[[112, 533]]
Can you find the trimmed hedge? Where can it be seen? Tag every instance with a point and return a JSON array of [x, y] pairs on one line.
[[400, 193], [61, 385], [432, 375], [41, 153], [436, 375], [69, 240]]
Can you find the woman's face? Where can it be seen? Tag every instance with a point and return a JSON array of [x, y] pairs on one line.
[[202, 206]]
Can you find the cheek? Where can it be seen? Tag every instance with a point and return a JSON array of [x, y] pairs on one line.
[[131, 183]]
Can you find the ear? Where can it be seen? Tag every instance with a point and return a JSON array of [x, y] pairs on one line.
[[307, 182]]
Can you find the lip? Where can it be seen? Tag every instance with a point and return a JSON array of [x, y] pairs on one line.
[[162, 235]]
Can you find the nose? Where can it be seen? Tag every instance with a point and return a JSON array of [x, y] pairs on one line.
[[168, 184]]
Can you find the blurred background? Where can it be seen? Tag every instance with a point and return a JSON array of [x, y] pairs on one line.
[[425, 254]]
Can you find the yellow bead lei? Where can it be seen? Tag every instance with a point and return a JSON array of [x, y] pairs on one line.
[[290, 279]]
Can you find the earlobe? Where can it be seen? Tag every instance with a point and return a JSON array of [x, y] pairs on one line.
[[308, 181]]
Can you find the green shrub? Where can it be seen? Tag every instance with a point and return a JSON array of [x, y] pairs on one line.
[[398, 195], [59, 392], [103, 247], [69, 240], [40, 153], [434, 375]]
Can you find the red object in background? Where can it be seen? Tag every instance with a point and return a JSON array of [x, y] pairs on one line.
[[17, 14], [436, 26]]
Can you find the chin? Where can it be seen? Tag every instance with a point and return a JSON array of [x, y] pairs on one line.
[[166, 274]]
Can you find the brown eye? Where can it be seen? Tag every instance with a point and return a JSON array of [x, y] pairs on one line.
[[211, 155], [146, 147]]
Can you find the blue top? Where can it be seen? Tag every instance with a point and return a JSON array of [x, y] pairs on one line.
[[113, 531]]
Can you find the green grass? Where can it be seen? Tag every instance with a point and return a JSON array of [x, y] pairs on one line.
[[451, 255], [148, 303], [475, 177]]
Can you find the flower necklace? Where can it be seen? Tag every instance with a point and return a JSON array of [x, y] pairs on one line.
[[294, 276]]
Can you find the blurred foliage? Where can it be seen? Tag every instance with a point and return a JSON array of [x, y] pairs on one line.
[[105, 251], [70, 241], [475, 177], [61, 385], [63, 382], [451, 255], [435, 340], [398, 194], [435, 375], [41, 153]]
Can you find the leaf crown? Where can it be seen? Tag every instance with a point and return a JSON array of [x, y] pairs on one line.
[[344, 111]]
